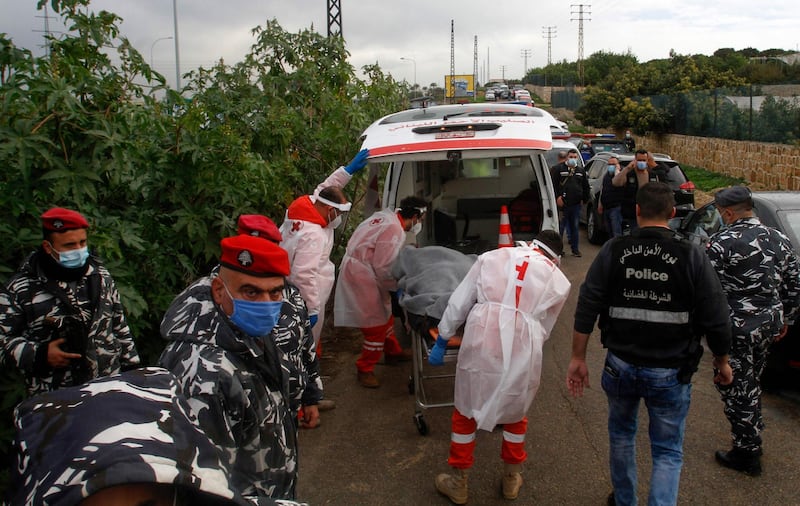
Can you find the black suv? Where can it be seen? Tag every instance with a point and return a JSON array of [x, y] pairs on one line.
[[596, 169]]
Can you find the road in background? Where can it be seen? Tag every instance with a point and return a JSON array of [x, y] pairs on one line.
[[368, 450]]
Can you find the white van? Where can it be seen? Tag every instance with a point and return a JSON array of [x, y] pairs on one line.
[[468, 160]]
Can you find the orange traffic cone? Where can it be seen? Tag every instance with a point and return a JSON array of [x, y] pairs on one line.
[[505, 240]]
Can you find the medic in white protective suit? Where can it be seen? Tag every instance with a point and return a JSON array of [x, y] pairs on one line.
[[510, 300], [307, 232], [365, 280]]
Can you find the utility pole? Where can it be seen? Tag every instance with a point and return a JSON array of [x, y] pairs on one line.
[[334, 18], [452, 62], [583, 10], [46, 30], [549, 33], [525, 53], [475, 70], [503, 70], [488, 67]]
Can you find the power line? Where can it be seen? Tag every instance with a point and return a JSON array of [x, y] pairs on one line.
[[583, 10], [549, 33]]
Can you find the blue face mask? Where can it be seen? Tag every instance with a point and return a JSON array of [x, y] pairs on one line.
[[255, 319], [641, 165], [72, 258], [572, 162], [612, 169]]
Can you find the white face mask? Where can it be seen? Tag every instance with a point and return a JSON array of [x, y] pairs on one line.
[[416, 228], [336, 223]]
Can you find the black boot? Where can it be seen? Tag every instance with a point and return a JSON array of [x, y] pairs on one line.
[[748, 462]]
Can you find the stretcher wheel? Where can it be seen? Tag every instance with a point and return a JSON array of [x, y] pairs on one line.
[[411, 385], [422, 425]]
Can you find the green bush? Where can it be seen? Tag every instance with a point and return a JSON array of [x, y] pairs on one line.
[[163, 180]]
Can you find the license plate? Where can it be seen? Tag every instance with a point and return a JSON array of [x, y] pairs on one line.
[[459, 134]]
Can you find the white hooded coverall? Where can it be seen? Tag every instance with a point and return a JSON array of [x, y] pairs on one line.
[[309, 245], [500, 358]]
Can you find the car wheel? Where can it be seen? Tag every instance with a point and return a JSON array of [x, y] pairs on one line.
[[593, 229]]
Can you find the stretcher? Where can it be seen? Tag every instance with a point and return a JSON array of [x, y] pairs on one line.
[[426, 277], [423, 336]]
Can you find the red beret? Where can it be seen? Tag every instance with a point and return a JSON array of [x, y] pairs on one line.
[[59, 219], [254, 256], [259, 226]]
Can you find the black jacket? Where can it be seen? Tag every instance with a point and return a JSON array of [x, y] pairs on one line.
[[656, 295], [570, 183]]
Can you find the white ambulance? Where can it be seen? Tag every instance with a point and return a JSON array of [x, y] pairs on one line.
[[467, 160]]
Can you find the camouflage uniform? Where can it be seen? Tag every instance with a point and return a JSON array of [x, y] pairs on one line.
[[26, 304], [239, 388], [293, 336], [761, 277], [131, 428]]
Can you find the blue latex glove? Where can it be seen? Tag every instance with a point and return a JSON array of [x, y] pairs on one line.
[[313, 319], [399, 293], [436, 355], [357, 163]]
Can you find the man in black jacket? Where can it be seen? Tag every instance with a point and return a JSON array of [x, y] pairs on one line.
[[571, 187], [656, 295]]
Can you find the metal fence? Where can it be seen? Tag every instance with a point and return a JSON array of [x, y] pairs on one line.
[[732, 113], [746, 113]]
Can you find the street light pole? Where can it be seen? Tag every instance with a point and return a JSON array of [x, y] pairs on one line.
[[153, 45], [412, 60], [177, 53]]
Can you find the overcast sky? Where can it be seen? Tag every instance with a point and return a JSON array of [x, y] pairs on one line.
[[385, 31]]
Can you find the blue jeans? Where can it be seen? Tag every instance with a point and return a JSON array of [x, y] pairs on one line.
[[613, 221], [571, 215], [667, 402]]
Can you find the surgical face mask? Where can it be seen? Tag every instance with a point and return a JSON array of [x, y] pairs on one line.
[[641, 165], [72, 258], [572, 162], [416, 228], [612, 169], [255, 319]]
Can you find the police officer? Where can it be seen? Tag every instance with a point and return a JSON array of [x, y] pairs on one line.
[[223, 349], [638, 172], [656, 296], [761, 277], [571, 187], [61, 319]]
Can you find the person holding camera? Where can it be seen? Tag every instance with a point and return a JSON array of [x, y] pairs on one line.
[[656, 296], [61, 319]]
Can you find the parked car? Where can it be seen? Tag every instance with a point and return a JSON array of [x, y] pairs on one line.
[[489, 96], [605, 144], [596, 169], [468, 161], [780, 210]]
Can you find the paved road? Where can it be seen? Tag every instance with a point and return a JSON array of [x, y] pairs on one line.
[[369, 452]]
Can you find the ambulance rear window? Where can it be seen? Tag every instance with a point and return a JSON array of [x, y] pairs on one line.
[[456, 111]]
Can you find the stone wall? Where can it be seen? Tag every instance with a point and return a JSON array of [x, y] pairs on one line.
[[765, 166]]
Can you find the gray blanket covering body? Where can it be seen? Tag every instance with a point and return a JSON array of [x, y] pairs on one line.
[[427, 276]]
